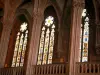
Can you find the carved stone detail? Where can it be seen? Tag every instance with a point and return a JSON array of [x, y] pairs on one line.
[[79, 3]]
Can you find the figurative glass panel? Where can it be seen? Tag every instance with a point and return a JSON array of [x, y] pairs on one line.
[[46, 45], [20, 46], [84, 38]]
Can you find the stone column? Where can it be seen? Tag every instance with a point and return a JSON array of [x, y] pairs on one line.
[[34, 43], [78, 6], [8, 18], [35, 36], [4, 44], [5, 39]]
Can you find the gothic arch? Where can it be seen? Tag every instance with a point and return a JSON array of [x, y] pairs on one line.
[[89, 5], [21, 16], [26, 14], [49, 37], [56, 8]]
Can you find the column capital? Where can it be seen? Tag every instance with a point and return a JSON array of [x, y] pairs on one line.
[[79, 3]]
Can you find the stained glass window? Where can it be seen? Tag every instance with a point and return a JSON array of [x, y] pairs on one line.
[[46, 42], [84, 37], [20, 46]]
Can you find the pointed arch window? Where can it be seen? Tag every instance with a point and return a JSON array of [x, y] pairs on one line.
[[46, 44], [84, 38], [20, 46]]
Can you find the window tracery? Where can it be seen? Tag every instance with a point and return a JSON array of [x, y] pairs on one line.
[[84, 37], [20, 46], [46, 42]]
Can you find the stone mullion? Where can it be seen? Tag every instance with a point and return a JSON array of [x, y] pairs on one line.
[[75, 35]]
